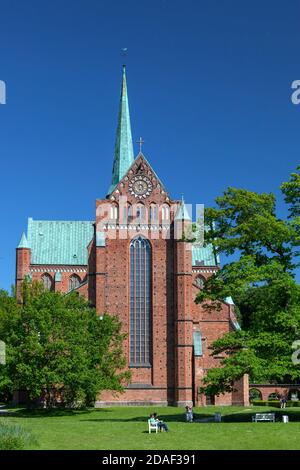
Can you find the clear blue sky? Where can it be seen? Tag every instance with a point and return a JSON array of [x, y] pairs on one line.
[[209, 91]]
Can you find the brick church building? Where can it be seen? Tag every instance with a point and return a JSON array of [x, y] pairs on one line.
[[134, 260]]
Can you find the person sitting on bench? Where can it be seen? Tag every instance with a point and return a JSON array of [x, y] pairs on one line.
[[161, 425]]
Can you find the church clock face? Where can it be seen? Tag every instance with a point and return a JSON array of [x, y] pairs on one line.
[[140, 187]]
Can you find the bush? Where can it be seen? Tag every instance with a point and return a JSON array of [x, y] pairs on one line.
[[14, 437], [292, 403]]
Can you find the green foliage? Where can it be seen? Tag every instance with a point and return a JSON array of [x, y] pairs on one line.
[[58, 349], [260, 279], [291, 191], [123, 428], [14, 437]]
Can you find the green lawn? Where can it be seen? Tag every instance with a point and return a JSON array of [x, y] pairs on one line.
[[127, 428]]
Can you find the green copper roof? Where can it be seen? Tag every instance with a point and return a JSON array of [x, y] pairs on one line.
[[59, 241], [23, 242], [204, 256], [182, 212], [123, 147]]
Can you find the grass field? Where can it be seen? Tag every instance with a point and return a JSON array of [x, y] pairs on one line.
[[127, 428]]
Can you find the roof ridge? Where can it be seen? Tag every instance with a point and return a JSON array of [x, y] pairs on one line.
[[60, 220]]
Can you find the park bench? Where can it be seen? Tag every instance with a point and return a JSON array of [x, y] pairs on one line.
[[264, 417]]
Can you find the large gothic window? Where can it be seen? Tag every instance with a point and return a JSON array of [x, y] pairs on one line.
[[47, 281], [140, 302], [74, 281]]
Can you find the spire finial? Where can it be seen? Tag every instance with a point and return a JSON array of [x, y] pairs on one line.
[[124, 51]]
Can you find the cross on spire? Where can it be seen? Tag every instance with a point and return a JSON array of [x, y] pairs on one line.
[[140, 142]]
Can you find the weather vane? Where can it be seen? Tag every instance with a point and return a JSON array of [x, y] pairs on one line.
[[140, 142], [124, 51]]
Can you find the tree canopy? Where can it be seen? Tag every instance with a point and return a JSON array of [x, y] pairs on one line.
[[58, 348], [260, 277]]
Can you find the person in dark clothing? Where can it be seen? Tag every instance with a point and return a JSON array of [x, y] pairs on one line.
[[161, 424], [283, 401]]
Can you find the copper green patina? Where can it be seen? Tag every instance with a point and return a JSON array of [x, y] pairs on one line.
[[124, 157], [59, 241]]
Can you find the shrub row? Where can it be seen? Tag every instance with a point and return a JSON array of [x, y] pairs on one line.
[[275, 403]]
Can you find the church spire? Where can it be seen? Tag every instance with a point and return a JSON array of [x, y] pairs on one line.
[[23, 242], [182, 212], [123, 147]]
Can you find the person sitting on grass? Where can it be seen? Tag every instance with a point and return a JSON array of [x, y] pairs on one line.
[[161, 425]]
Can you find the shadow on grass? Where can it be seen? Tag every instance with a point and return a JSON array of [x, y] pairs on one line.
[[202, 418], [51, 413], [103, 415], [246, 417], [177, 418]]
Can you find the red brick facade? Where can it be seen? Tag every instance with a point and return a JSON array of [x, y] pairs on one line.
[[174, 373]]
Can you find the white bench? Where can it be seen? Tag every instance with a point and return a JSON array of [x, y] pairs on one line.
[[152, 426], [264, 417]]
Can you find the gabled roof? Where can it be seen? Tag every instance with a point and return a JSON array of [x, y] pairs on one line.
[[59, 241], [141, 157]]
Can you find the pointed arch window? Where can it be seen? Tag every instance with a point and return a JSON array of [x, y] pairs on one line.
[[74, 282], [47, 281], [199, 281], [140, 214], [114, 212], [140, 302], [127, 214], [153, 214], [165, 213]]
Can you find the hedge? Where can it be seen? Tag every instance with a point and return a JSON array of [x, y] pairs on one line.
[[275, 403]]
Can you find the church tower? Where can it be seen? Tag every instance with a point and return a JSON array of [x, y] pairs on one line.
[[134, 267], [137, 260]]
